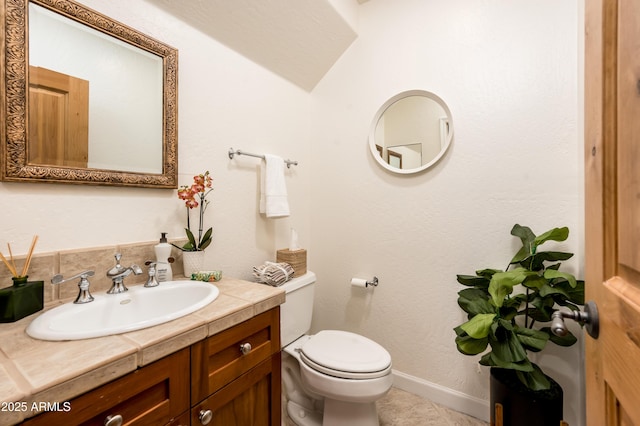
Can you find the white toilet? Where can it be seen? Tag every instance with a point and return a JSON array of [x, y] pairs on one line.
[[333, 377]]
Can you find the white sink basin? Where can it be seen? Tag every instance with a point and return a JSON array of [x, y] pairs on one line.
[[137, 308]]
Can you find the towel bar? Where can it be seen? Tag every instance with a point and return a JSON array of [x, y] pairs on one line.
[[233, 152]]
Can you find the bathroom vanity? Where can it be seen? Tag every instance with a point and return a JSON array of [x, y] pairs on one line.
[[219, 365]]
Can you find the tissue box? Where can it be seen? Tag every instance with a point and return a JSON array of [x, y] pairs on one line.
[[296, 258]]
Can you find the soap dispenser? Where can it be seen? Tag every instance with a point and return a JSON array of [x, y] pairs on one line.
[[163, 267]]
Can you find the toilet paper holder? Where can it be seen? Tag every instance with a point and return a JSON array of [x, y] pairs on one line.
[[359, 282]]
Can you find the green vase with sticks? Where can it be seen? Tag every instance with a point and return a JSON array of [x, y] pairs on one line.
[[23, 297]]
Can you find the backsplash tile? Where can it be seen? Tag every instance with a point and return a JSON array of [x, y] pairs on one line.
[[98, 259], [139, 253]]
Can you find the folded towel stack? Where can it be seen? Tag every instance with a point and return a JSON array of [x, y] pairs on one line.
[[274, 274]]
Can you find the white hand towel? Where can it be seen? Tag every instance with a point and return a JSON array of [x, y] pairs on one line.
[[273, 191]]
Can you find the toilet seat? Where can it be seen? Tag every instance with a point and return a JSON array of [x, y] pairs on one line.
[[345, 355]]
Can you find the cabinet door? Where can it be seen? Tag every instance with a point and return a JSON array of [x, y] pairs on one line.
[[220, 359], [252, 399], [152, 395], [183, 420]]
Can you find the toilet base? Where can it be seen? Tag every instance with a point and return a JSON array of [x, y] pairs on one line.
[[340, 413], [303, 416], [336, 413]]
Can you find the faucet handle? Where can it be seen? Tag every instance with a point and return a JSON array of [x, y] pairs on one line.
[[84, 295], [59, 279], [118, 269], [118, 273], [152, 281]]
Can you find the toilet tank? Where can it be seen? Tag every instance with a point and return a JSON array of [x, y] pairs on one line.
[[296, 311]]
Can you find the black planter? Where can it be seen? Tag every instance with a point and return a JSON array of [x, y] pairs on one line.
[[520, 405]]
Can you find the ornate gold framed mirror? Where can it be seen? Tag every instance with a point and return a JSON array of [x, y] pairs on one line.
[[85, 99]]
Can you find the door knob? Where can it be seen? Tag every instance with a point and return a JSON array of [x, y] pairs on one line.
[[589, 317]]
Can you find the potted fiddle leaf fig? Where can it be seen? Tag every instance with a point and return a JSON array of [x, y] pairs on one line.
[[508, 316]]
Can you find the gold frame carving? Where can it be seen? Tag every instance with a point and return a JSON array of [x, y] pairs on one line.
[[14, 69]]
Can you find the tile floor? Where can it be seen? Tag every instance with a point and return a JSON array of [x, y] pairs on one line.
[[400, 408]]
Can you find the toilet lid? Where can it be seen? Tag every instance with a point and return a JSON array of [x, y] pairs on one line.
[[338, 352]]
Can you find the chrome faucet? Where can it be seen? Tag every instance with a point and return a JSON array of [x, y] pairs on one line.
[[84, 295], [118, 273]]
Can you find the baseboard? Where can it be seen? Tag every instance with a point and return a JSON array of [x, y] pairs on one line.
[[450, 398]]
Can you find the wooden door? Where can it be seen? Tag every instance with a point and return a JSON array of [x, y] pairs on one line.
[[58, 119], [612, 175]]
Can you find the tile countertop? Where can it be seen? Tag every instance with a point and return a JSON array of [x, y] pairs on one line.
[[35, 371]]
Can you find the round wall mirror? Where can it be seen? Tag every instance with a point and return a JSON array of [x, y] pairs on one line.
[[411, 132]]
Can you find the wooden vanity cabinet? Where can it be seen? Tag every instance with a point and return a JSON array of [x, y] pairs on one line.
[[231, 378], [152, 395], [252, 399], [183, 420], [235, 374]]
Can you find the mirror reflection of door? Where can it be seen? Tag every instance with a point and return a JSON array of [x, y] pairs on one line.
[[58, 119], [410, 156], [395, 159]]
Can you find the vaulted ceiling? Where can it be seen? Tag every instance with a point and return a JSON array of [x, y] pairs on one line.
[[299, 40]]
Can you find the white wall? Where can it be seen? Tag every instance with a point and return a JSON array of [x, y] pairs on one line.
[[224, 101], [509, 73]]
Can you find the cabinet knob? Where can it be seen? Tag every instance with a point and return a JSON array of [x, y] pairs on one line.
[[113, 420], [245, 348], [205, 416]]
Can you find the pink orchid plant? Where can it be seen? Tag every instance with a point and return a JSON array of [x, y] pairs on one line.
[[196, 196]]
